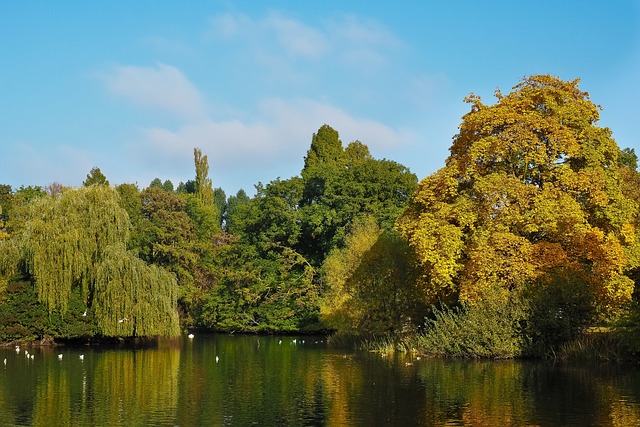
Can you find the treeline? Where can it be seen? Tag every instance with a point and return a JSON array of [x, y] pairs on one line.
[[239, 263], [527, 235]]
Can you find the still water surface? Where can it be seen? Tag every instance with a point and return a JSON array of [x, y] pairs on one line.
[[276, 381]]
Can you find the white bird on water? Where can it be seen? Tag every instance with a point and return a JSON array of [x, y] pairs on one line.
[[217, 359], [5, 362], [190, 336], [32, 357], [60, 356], [82, 357], [17, 349]]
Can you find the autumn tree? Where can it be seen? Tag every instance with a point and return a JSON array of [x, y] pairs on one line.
[[531, 194], [371, 284], [203, 186]]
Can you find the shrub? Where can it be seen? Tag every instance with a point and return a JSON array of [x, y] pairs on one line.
[[559, 312], [490, 328]]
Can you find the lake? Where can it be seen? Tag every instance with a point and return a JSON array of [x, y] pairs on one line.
[[244, 380]]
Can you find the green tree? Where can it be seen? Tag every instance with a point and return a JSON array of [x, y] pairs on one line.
[[272, 217], [77, 242], [186, 188], [340, 185], [156, 183], [532, 192], [233, 205], [323, 159], [5, 202], [628, 158], [220, 203], [95, 177], [167, 186]]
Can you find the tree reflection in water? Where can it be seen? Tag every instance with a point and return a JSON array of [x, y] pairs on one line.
[[259, 382]]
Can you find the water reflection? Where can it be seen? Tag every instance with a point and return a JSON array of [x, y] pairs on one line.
[[276, 381]]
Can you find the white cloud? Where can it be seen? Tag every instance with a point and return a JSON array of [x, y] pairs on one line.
[[353, 41], [280, 131], [297, 38], [163, 87]]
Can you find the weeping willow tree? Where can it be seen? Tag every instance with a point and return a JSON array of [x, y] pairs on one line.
[[133, 298], [10, 255], [78, 239]]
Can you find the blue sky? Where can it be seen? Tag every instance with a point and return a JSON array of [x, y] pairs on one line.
[[133, 87]]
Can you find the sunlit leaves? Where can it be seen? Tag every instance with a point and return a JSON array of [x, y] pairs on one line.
[[532, 186]]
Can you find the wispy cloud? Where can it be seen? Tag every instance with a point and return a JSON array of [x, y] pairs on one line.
[[163, 87], [350, 40], [277, 134], [265, 132]]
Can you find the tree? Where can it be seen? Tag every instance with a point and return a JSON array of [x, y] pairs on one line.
[[628, 158], [532, 192], [233, 206], [95, 177], [77, 242], [203, 187], [167, 186], [186, 188], [371, 283], [220, 202], [55, 188], [323, 159], [5, 202], [155, 183], [340, 185]]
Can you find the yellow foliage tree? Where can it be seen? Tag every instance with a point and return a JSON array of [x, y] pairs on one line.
[[532, 187], [371, 283]]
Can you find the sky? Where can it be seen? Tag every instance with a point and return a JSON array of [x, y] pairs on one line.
[[134, 87]]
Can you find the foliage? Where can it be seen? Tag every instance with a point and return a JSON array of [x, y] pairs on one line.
[[65, 243], [532, 186], [168, 234], [220, 203], [64, 239], [628, 158], [132, 298], [371, 284], [627, 329], [274, 292], [203, 187], [560, 310], [23, 317], [312, 213], [232, 207], [95, 177], [490, 328], [156, 183]]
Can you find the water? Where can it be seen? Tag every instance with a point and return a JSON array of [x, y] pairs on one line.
[[262, 381]]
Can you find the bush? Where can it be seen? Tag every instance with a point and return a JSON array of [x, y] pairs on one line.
[[24, 318], [560, 311], [490, 328]]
